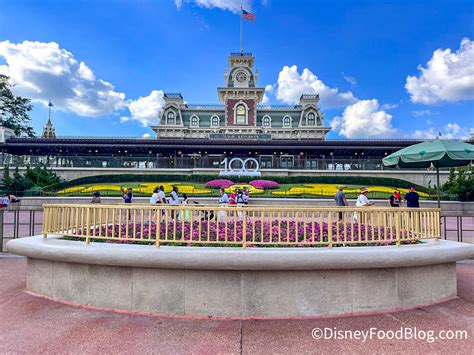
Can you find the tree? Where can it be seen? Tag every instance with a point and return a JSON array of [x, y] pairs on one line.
[[14, 110], [461, 183], [32, 181]]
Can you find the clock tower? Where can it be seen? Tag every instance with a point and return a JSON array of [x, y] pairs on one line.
[[240, 95]]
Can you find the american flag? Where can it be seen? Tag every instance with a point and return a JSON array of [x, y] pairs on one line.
[[248, 16]]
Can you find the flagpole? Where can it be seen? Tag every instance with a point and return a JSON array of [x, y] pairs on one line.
[[241, 50], [49, 106]]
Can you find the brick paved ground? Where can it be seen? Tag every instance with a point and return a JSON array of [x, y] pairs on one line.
[[30, 324]]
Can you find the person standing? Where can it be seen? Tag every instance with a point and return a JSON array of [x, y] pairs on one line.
[[96, 197], [161, 195], [246, 193], [174, 200], [340, 199], [223, 202], [412, 198], [127, 195], [155, 197], [362, 201], [127, 198], [233, 197], [395, 200], [187, 213]]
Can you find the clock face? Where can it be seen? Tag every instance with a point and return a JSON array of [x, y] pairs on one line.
[[241, 76]]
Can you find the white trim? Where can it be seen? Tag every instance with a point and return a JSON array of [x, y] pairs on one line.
[[269, 121]]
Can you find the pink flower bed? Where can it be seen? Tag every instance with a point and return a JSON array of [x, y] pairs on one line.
[[218, 183], [264, 184], [291, 232]]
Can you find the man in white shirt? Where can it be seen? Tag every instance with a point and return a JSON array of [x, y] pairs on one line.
[[362, 201]]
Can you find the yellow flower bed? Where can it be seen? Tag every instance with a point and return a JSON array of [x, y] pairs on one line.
[[252, 190], [71, 190], [95, 188], [146, 188], [331, 189]]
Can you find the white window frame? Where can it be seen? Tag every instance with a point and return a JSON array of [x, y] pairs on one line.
[[268, 119], [172, 113], [246, 113], [307, 118], [214, 117], [192, 119], [290, 121]]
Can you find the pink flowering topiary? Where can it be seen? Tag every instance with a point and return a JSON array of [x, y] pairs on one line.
[[264, 184], [218, 183]]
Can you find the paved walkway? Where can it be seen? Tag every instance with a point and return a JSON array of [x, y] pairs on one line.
[[30, 324]]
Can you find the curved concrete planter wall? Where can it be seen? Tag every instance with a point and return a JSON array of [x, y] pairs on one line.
[[233, 282]]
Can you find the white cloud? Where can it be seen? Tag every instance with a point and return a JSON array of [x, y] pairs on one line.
[[418, 113], [451, 130], [363, 119], [43, 71], [448, 76], [231, 5], [146, 135], [146, 109], [268, 91], [350, 79], [389, 106], [291, 85]]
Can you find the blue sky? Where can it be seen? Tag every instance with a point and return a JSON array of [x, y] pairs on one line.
[[96, 59]]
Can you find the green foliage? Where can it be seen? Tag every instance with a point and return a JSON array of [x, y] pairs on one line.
[[460, 183], [348, 180], [30, 183], [14, 110]]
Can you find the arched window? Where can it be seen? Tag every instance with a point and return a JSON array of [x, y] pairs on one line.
[[215, 121], [194, 121], [286, 121], [240, 114], [170, 118], [266, 121], [311, 119]]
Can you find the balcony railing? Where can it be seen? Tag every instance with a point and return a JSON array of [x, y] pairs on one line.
[[244, 226]]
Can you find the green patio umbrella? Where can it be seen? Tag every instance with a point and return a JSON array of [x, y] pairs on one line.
[[439, 153]]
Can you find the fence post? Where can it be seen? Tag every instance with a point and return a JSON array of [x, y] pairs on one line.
[[244, 227], [88, 225], [329, 229], [397, 227], [1, 229], [45, 221]]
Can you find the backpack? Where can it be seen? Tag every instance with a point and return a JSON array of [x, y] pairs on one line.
[[240, 198]]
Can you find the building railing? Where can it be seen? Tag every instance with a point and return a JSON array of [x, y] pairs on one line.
[[244, 226]]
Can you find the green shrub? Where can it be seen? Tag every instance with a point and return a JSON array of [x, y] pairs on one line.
[[348, 180]]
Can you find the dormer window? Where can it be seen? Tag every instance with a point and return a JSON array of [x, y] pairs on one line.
[[266, 121], [240, 114], [311, 119], [215, 121], [194, 121], [287, 122], [171, 118]]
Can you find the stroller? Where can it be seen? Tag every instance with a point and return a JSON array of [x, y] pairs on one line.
[[208, 215]]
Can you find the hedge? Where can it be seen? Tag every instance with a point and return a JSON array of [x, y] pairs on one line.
[[348, 180]]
